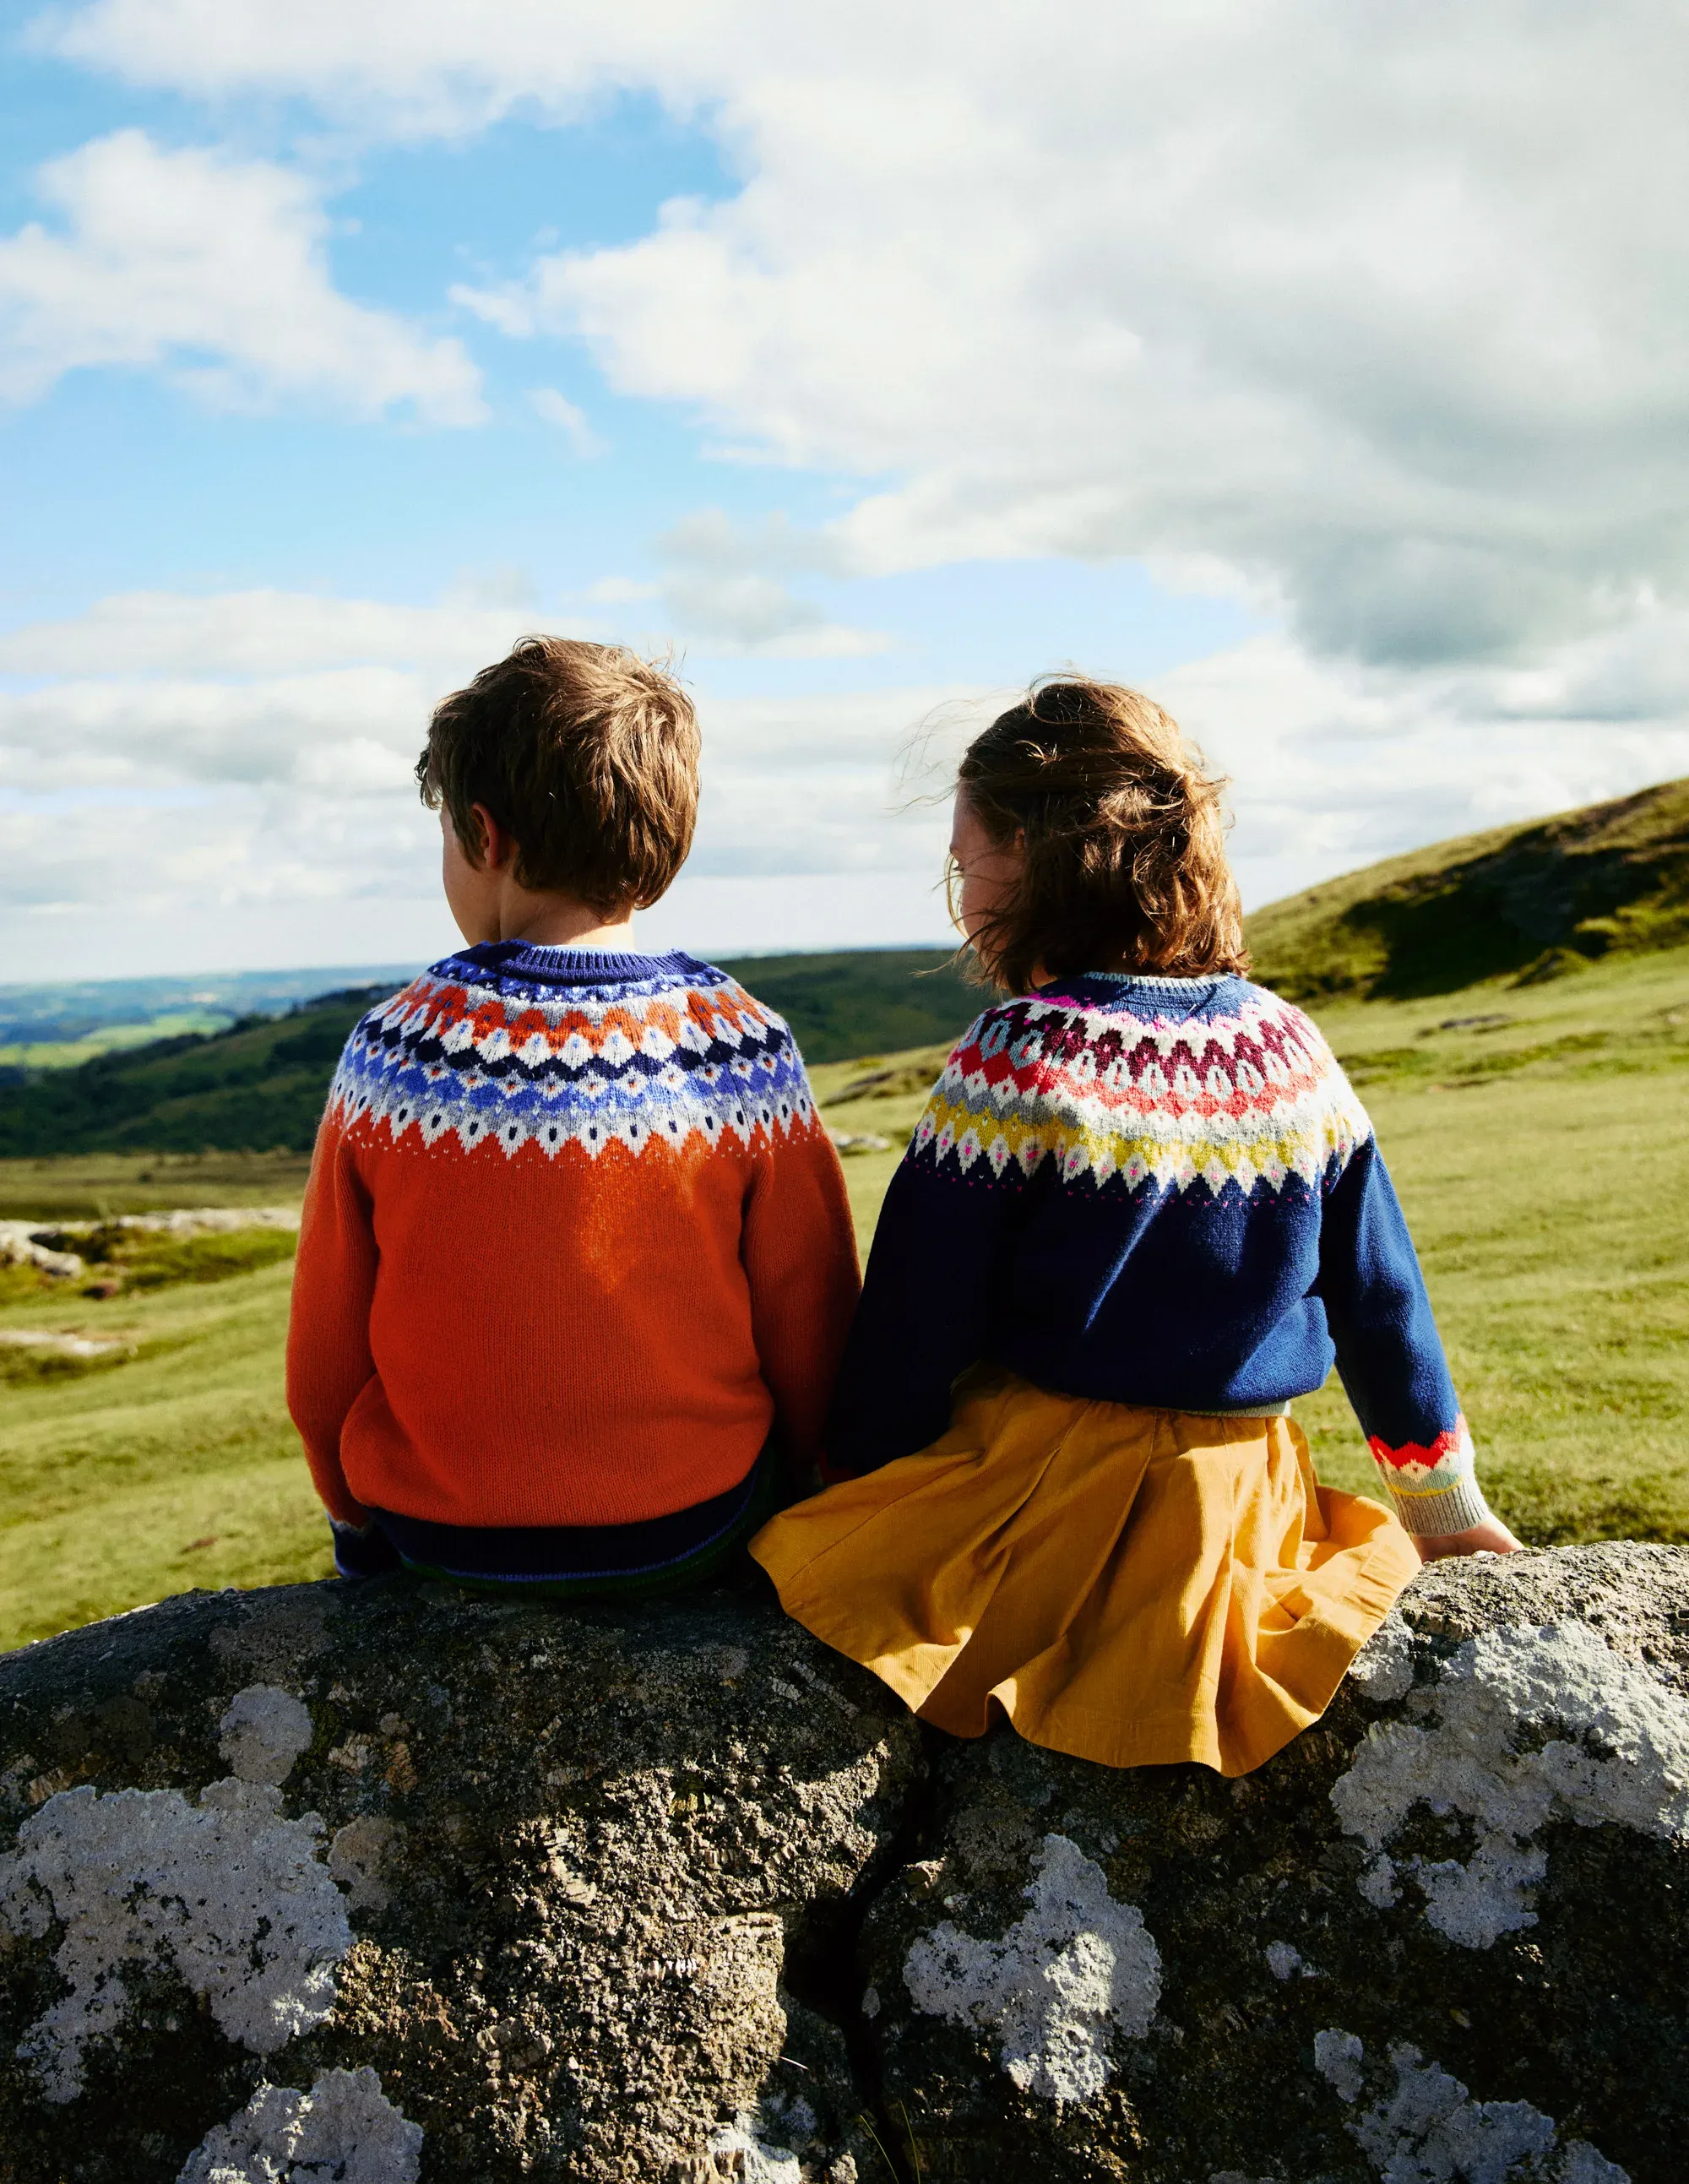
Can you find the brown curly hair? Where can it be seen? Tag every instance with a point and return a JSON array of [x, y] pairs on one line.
[[586, 755], [1124, 836]]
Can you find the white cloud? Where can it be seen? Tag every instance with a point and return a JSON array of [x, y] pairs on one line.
[[725, 585], [265, 632], [733, 615], [1375, 314], [552, 408], [455, 68], [186, 794], [182, 759], [1335, 765], [620, 591], [214, 269], [358, 728], [1380, 312]]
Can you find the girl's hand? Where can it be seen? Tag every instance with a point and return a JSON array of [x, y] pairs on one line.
[[1491, 1537]]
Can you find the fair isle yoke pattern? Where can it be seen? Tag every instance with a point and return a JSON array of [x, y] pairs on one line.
[[575, 1268], [685, 1060], [1154, 1190], [1252, 1098]]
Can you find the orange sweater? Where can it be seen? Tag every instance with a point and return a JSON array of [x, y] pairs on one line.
[[574, 1240]]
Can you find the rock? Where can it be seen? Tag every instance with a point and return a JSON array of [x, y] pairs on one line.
[[50, 1248], [44, 1343], [388, 1883], [196, 1220], [21, 1245], [334, 1881], [1443, 1936]]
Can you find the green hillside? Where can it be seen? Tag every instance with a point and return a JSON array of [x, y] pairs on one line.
[[863, 1000], [259, 1085], [1521, 904]]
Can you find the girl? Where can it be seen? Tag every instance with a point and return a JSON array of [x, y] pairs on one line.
[[1142, 1210]]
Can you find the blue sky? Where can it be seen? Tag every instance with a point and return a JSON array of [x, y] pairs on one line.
[[870, 361]]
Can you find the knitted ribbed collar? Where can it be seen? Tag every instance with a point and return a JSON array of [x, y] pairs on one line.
[[567, 965], [1135, 989]]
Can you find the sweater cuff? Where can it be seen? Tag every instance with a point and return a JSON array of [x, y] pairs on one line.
[[1435, 1489], [1446, 1509]]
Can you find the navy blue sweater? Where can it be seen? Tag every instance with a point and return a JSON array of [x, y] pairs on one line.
[[1156, 1191]]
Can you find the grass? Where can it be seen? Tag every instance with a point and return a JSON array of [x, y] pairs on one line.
[[94, 1186], [1525, 903], [1539, 1136], [174, 1466]]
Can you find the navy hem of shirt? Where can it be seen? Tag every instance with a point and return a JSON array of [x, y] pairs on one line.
[[554, 1553]]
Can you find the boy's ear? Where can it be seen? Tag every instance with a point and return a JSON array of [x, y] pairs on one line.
[[498, 844]]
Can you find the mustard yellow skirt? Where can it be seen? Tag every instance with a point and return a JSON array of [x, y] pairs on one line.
[[1132, 1586]]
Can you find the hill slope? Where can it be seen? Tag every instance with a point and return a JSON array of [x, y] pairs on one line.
[[261, 1085], [1523, 903]]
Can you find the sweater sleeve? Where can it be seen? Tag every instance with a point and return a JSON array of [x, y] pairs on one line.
[[799, 1255], [1390, 1355], [328, 1327], [932, 1273]]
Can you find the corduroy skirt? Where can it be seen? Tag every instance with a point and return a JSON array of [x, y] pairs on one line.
[[1132, 1586]]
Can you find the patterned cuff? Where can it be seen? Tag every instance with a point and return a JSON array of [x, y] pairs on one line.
[[1435, 1489], [1433, 1516]]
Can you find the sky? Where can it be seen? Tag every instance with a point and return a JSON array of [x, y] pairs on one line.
[[1317, 368]]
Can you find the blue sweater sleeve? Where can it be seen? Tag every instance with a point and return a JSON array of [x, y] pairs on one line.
[[1390, 1354], [924, 1309]]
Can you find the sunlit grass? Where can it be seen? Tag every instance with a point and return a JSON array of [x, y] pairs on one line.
[[173, 1467], [92, 1186]]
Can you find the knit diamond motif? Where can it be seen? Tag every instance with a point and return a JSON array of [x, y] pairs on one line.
[[464, 1052]]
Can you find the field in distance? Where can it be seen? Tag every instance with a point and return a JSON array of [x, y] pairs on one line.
[[59, 1025]]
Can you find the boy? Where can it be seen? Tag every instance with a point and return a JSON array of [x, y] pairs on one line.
[[577, 1262]]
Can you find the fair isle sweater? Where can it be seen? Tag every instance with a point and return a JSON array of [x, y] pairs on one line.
[[1153, 1191], [575, 1241]]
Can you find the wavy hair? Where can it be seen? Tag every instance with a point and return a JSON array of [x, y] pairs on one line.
[[1124, 834]]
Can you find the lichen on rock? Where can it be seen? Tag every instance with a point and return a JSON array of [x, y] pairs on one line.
[[1076, 1970], [344, 2129], [561, 1905], [263, 1731], [232, 1894], [740, 2150], [670, 1893], [1272, 1928], [1427, 2129], [1623, 1757]]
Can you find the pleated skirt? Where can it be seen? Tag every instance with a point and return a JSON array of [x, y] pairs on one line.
[[1128, 1586]]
